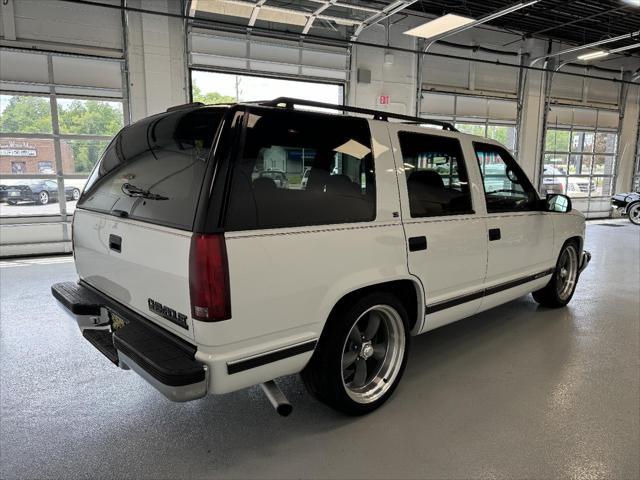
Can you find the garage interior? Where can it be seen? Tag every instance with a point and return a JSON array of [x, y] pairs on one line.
[[515, 392]]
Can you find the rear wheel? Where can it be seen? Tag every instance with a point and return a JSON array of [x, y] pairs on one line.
[[43, 198], [558, 292], [75, 195], [361, 355], [634, 213], [12, 202]]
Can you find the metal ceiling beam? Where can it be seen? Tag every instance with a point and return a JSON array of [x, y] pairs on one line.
[[350, 5], [386, 12], [578, 20], [314, 15]]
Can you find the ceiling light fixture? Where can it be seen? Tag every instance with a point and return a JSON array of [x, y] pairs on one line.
[[593, 55], [451, 24], [440, 25]]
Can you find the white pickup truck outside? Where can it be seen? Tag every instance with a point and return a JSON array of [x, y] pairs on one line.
[[206, 277]]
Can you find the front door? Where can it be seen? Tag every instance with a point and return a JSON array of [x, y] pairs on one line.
[[520, 234], [446, 238]]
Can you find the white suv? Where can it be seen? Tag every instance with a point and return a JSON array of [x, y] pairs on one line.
[[204, 278]]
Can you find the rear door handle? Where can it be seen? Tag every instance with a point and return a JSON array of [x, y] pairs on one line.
[[417, 243], [115, 243], [494, 234]]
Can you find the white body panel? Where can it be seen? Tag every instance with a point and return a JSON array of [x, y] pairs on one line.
[[525, 246], [285, 282], [153, 263]]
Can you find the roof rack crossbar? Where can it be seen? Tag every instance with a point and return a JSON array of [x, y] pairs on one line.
[[289, 102]]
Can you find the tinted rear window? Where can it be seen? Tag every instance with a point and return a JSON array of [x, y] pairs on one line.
[[267, 189], [165, 155]]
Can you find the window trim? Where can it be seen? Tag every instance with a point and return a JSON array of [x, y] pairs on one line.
[[513, 164], [472, 210]]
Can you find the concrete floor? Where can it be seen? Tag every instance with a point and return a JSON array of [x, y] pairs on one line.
[[516, 392]]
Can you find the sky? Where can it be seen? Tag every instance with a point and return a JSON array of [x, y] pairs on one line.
[[264, 88]]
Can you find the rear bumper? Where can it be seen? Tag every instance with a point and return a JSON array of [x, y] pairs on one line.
[[132, 342], [585, 258]]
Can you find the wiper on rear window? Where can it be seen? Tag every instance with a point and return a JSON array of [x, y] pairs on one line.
[[133, 191]]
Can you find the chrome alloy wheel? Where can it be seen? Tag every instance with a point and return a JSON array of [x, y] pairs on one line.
[[567, 272], [372, 354]]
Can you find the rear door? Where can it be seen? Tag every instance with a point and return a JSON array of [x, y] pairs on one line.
[[446, 237], [134, 222]]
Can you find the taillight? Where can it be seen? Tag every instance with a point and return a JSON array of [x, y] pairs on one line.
[[209, 278]]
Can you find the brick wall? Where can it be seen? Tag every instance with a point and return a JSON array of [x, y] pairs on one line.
[[30, 156]]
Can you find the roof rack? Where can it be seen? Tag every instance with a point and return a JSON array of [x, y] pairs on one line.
[[377, 114]]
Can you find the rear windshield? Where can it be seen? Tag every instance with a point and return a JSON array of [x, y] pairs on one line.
[[153, 169]]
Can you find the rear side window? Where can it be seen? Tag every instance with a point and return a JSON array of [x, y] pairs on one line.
[[437, 180], [300, 168], [153, 170]]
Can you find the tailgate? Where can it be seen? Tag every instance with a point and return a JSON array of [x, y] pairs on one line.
[[150, 272]]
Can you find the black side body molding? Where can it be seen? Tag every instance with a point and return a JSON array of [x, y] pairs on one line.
[[269, 357], [436, 307]]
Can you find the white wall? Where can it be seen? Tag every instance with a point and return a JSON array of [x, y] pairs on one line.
[[398, 79], [156, 59]]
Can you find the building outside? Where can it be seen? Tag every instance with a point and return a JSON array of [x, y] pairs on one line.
[[30, 156]]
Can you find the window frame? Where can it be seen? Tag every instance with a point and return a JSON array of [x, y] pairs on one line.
[[463, 159], [511, 163]]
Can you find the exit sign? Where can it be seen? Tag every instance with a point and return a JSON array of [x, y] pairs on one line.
[[383, 100]]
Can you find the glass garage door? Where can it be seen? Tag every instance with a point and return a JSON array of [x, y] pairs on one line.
[[580, 158], [57, 114], [494, 118]]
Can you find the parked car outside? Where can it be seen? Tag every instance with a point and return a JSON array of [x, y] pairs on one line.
[[553, 181], [40, 192], [628, 204], [278, 177], [205, 279]]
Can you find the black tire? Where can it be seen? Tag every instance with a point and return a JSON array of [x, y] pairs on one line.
[[12, 202], [75, 194], [633, 211], [549, 296], [323, 376]]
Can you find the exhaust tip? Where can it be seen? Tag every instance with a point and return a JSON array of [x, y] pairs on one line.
[[277, 399], [284, 409]]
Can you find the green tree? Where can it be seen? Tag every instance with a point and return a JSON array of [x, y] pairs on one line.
[[25, 114], [89, 117], [210, 98]]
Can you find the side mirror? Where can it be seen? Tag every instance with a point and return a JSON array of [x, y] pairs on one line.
[[556, 202]]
